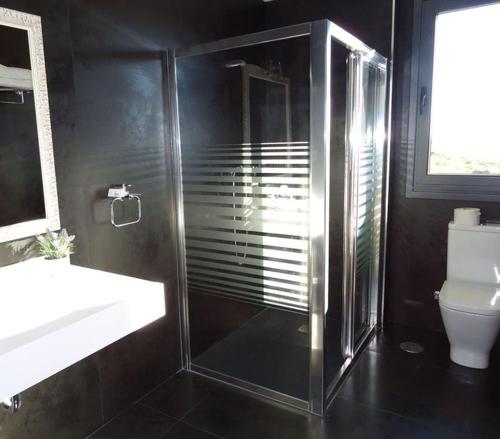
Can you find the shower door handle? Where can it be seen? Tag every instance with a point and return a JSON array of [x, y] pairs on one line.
[[350, 211]]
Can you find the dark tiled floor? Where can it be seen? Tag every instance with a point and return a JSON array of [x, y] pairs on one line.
[[389, 394]]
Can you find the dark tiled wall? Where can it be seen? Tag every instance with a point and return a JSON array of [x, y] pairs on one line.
[[104, 76], [106, 95], [368, 20], [417, 227]]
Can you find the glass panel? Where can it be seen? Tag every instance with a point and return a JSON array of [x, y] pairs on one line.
[[334, 357], [465, 95], [356, 174], [244, 122], [366, 198]]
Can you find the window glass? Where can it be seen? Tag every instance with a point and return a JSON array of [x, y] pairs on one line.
[[465, 111]]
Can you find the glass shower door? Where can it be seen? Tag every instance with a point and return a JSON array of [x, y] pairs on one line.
[[279, 153], [365, 156], [369, 181], [357, 96], [244, 132]]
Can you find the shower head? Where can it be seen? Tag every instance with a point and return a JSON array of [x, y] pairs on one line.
[[235, 63]]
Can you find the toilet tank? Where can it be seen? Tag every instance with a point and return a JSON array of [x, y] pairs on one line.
[[474, 253]]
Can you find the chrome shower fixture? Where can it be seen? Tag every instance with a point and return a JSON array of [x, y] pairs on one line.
[[235, 63]]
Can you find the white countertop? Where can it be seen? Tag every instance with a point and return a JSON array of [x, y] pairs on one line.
[[54, 314]]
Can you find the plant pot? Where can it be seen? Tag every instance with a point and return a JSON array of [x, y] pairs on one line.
[[57, 266]]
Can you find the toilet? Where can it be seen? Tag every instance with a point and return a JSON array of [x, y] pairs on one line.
[[469, 299]]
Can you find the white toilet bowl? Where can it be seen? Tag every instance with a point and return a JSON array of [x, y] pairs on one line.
[[471, 336], [471, 316]]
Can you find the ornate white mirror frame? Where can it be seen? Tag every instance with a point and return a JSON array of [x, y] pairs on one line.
[[32, 24]]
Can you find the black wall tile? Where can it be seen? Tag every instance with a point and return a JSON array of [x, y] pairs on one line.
[[105, 82], [418, 228], [368, 20], [105, 85], [63, 406], [134, 365]]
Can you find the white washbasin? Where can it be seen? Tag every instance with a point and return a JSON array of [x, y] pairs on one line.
[[53, 315]]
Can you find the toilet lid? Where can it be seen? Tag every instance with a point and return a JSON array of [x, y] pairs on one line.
[[471, 297]]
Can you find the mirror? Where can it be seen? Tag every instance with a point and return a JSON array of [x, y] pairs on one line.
[[28, 204]]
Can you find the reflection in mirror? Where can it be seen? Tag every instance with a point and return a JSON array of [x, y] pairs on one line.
[[20, 171], [266, 104]]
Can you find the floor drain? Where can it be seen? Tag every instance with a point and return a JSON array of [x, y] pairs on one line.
[[411, 348]]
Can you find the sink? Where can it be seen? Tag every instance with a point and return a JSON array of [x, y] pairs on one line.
[[54, 315]]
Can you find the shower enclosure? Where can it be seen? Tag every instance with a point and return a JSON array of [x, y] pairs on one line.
[[280, 140]]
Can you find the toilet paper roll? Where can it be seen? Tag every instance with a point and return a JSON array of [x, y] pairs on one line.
[[466, 216]]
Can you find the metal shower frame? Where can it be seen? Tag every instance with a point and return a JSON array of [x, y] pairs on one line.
[[321, 33]]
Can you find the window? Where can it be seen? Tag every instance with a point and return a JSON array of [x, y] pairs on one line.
[[456, 101]]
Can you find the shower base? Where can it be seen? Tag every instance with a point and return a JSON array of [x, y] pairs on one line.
[[270, 350]]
